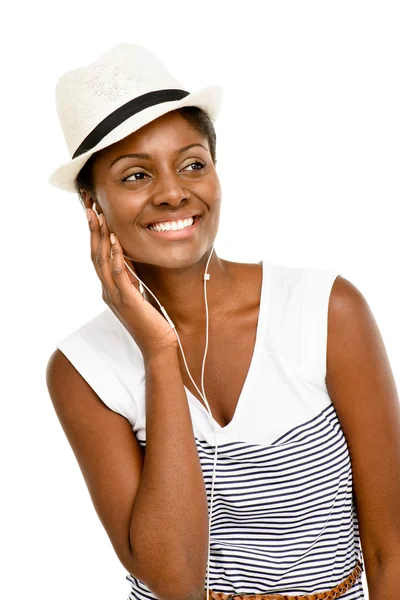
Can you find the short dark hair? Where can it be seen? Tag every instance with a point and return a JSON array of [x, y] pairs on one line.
[[198, 119]]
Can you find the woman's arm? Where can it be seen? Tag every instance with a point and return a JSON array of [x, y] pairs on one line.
[[169, 525], [362, 388], [153, 507]]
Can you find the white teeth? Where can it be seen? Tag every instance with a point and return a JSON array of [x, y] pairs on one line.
[[172, 225]]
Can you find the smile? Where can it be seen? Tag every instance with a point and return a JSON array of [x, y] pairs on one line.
[[189, 228]]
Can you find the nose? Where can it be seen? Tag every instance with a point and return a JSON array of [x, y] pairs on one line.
[[169, 189]]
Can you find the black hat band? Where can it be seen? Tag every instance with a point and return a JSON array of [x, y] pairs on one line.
[[123, 113]]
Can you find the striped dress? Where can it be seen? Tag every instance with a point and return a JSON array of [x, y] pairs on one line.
[[283, 517]]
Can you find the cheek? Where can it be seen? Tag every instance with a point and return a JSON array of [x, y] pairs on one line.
[[212, 190], [120, 209]]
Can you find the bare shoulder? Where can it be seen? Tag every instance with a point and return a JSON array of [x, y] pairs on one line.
[[59, 371], [355, 347], [352, 328]]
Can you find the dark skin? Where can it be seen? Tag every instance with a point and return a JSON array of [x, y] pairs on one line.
[[359, 377], [362, 388]]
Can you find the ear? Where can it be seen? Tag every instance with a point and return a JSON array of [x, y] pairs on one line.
[[88, 200]]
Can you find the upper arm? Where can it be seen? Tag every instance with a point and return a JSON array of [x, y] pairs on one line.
[[362, 388], [107, 451]]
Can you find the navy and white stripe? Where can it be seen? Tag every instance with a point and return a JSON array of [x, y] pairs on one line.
[[284, 519]]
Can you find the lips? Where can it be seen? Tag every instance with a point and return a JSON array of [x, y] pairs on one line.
[[169, 218], [170, 235]]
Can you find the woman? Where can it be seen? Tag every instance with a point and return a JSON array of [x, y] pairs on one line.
[[267, 494]]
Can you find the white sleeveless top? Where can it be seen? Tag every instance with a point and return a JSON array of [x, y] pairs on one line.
[[283, 518]]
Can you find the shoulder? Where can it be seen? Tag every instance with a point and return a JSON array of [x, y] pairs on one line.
[[296, 309], [104, 335], [58, 371], [352, 329], [345, 298], [358, 366], [106, 357], [299, 287]]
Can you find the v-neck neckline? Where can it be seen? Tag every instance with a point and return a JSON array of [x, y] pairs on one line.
[[250, 373]]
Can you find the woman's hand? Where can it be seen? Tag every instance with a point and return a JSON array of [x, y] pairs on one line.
[[150, 330]]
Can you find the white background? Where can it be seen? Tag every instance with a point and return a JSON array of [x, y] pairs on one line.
[[308, 145]]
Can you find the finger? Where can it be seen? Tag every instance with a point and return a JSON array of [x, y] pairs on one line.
[[94, 227], [119, 271], [104, 261]]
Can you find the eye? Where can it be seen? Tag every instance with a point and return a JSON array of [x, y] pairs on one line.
[[127, 178], [197, 162]]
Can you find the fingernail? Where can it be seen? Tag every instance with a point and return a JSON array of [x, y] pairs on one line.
[[88, 214], [112, 238], [101, 219]]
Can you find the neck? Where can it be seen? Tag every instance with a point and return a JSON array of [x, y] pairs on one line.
[[181, 290]]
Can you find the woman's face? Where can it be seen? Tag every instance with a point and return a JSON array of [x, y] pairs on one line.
[[135, 191]]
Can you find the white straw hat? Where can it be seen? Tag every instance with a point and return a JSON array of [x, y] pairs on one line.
[[123, 90]]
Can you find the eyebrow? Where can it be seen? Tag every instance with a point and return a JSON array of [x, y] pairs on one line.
[[148, 156]]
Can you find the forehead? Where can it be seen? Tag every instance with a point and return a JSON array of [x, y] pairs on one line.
[[169, 132]]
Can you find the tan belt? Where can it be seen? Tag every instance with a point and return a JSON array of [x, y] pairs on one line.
[[335, 592]]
